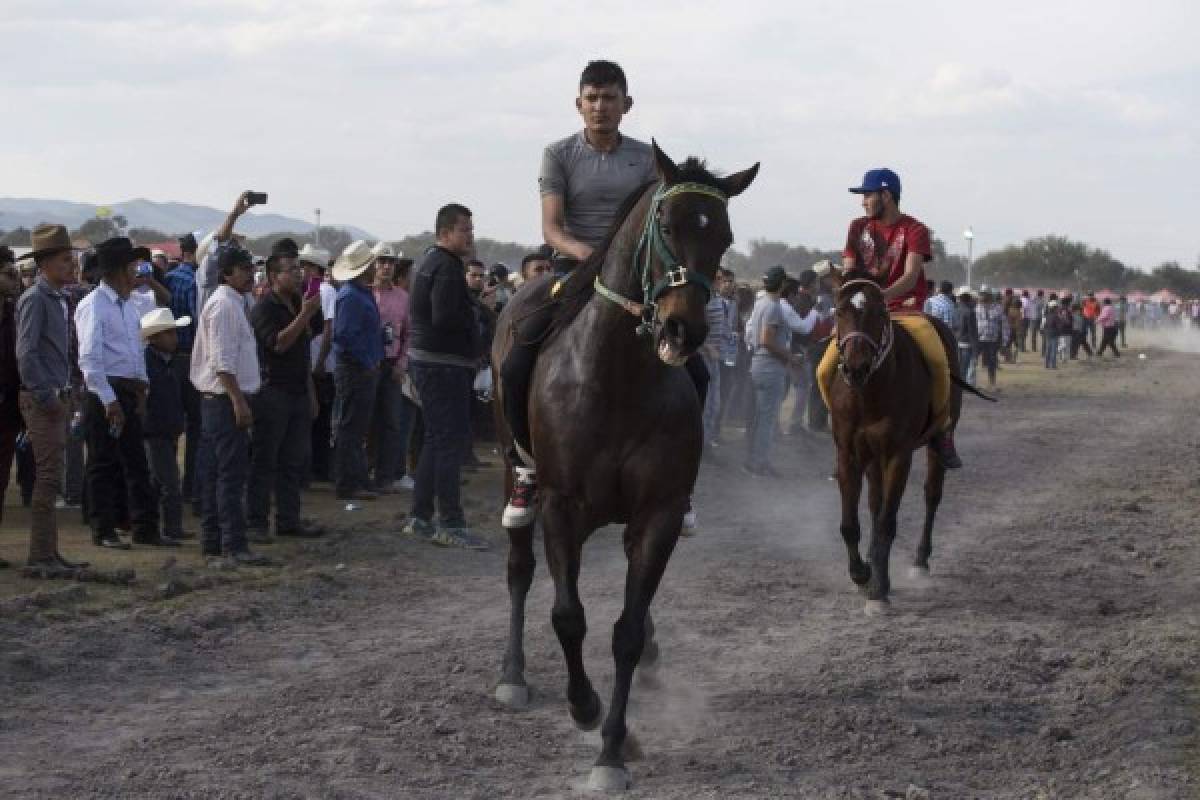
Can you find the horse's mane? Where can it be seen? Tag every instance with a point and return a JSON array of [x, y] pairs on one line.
[[579, 286], [858, 274]]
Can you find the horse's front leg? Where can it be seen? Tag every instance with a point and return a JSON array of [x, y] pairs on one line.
[[512, 690], [564, 536], [850, 479], [648, 545], [895, 477]]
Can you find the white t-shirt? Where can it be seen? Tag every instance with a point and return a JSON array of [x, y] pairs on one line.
[[328, 300], [143, 301]]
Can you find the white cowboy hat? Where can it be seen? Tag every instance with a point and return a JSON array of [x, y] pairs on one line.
[[963, 290], [161, 319], [823, 267], [384, 250], [353, 261], [314, 255]]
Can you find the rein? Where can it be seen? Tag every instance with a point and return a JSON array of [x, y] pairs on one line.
[[881, 348], [653, 243]]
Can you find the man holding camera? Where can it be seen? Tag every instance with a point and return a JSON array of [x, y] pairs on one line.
[[286, 404]]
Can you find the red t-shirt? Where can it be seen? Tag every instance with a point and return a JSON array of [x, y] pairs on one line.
[[883, 249]]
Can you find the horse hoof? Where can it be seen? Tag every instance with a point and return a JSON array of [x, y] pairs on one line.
[[587, 725], [918, 573], [610, 779], [510, 695], [631, 748], [876, 608]]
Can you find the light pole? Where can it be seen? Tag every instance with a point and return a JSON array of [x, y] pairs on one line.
[[317, 232], [969, 235]]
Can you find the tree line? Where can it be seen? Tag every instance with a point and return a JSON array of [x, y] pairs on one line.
[[1051, 262]]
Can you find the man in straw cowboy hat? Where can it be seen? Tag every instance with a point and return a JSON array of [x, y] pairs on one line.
[[225, 371], [44, 367], [393, 413], [358, 349], [113, 363], [165, 418], [286, 404]]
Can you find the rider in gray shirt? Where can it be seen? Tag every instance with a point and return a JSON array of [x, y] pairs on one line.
[[589, 184]]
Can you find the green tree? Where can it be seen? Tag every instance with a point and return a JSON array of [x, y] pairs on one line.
[[97, 229], [148, 236]]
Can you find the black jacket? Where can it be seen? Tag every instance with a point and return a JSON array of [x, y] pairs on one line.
[[164, 403], [443, 312]]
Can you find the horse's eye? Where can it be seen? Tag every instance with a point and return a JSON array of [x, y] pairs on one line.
[[702, 221]]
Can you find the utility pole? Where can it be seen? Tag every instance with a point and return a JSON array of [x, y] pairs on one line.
[[317, 232], [969, 235]]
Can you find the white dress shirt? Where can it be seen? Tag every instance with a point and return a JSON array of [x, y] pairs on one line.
[[110, 341], [143, 300], [225, 343]]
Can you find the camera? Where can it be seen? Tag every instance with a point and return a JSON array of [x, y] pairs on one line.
[[256, 198]]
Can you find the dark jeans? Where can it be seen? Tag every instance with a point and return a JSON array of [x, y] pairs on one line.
[[1089, 328], [222, 464], [161, 454], [1121, 328], [988, 354], [279, 444], [1109, 339], [390, 428], [321, 458], [117, 465], [10, 428], [181, 365], [74, 462], [444, 391], [356, 386], [1078, 340]]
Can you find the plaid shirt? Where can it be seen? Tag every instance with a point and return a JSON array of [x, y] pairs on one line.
[[942, 306], [991, 321], [181, 283]]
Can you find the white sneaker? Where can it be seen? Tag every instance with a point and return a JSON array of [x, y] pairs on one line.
[[689, 524], [521, 510], [405, 484]]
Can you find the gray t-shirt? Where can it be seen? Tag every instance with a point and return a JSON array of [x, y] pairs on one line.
[[767, 312], [593, 184]]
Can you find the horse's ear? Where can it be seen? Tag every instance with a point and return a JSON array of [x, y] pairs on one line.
[[738, 182], [666, 167]]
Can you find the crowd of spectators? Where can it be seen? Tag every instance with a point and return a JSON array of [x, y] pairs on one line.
[[272, 372]]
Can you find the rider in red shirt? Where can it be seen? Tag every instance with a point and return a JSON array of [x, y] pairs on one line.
[[894, 247]]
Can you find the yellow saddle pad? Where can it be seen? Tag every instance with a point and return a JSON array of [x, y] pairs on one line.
[[926, 336]]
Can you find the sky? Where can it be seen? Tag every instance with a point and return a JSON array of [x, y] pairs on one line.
[[1017, 119]]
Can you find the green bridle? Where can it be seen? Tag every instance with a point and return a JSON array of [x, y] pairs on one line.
[[653, 244]]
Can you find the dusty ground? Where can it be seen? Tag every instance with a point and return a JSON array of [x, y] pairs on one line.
[[1054, 653]]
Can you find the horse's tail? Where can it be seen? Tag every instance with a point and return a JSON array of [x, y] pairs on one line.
[[966, 387]]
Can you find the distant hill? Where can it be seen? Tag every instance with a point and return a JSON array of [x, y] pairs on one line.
[[172, 218]]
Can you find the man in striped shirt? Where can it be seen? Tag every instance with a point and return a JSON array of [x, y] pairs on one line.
[[942, 305]]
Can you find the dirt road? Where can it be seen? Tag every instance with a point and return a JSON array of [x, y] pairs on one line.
[[1053, 654]]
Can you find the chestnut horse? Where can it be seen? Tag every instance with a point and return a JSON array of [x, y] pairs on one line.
[[615, 426], [880, 413]]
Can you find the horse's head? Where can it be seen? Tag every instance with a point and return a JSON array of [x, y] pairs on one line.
[[687, 231], [864, 330]]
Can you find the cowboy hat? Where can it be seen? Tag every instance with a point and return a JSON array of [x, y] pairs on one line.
[[823, 267], [314, 255], [384, 250], [48, 239], [161, 319], [115, 253], [354, 261]]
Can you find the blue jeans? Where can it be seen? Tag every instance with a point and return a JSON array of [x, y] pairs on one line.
[[1050, 345], [352, 419], [280, 448], [966, 363], [223, 463], [770, 387], [445, 393]]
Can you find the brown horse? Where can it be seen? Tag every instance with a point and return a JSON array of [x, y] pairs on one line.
[[880, 413], [615, 425]]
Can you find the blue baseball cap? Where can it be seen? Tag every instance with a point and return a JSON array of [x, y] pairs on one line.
[[876, 180]]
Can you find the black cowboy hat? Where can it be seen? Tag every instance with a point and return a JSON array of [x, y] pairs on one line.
[[187, 243], [115, 253], [285, 247], [48, 239]]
